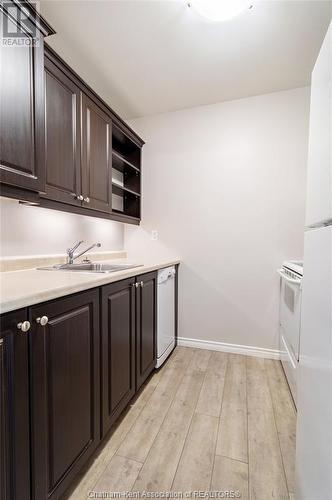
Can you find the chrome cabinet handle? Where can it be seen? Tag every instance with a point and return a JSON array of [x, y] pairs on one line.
[[141, 284], [79, 197], [87, 199], [24, 326], [42, 321]]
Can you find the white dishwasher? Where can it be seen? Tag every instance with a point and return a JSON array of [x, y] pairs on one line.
[[165, 314]]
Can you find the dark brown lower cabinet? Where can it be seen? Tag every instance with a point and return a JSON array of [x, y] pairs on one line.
[[65, 381], [146, 326], [14, 408], [118, 349], [65, 399], [128, 341]]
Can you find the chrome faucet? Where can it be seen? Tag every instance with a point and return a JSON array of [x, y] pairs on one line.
[[70, 251]]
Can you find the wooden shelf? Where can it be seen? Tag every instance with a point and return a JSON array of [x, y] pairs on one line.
[[126, 183], [120, 212], [120, 190], [120, 163]]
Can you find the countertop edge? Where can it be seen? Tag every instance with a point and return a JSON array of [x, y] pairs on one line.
[[45, 295]]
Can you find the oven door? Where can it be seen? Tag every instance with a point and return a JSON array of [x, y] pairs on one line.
[[290, 311], [289, 363]]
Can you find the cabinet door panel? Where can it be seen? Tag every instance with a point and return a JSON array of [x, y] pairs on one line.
[[63, 178], [22, 113], [96, 156], [146, 321], [70, 395], [118, 349], [65, 380], [14, 409]]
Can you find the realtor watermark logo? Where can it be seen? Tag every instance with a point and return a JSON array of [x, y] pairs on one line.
[[18, 24]]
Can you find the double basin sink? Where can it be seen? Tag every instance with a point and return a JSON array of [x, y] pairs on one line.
[[90, 267]]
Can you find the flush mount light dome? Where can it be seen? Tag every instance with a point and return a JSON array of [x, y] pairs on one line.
[[219, 10]]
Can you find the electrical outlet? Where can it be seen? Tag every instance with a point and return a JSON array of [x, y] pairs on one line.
[[154, 235]]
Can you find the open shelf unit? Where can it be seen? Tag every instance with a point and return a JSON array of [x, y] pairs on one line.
[[126, 175]]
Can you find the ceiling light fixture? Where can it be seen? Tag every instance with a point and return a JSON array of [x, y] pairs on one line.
[[219, 10]]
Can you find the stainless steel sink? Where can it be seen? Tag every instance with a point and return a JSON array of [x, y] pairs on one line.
[[90, 267]]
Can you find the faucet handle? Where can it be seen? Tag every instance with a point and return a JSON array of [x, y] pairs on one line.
[[72, 250]]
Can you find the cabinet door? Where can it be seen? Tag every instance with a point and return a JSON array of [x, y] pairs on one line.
[[118, 349], [146, 326], [14, 409], [62, 130], [65, 390], [96, 157], [22, 110]]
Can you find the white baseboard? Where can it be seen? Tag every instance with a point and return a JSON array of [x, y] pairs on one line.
[[258, 352]]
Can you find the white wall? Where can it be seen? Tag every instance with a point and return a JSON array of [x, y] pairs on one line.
[[27, 230], [224, 185]]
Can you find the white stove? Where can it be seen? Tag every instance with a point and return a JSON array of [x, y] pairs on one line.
[[291, 274]]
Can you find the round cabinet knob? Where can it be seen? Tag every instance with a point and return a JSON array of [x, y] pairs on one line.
[[42, 321], [24, 326], [141, 284], [79, 197], [87, 199], [136, 285]]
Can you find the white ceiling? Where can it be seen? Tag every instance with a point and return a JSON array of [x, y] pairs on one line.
[[150, 56]]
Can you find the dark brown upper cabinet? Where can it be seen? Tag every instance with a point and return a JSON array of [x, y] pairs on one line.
[[14, 407], [62, 136], [61, 145], [92, 162], [65, 380], [77, 172], [96, 156], [93, 159], [22, 97], [117, 349], [146, 326]]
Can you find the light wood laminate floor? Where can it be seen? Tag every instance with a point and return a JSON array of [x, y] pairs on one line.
[[206, 421]]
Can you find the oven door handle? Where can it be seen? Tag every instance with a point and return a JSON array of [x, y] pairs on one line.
[[284, 276]]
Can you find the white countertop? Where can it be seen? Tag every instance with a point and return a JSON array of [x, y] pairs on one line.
[[31, 286]]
